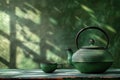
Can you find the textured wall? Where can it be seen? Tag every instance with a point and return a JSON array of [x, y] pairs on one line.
[[34, 31]]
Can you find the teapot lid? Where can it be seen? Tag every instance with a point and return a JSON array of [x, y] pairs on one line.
[[92, 46]]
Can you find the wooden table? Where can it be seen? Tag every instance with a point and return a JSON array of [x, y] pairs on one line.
[[59, 74]]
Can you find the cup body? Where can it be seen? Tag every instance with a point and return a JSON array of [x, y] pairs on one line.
[[48, 67]]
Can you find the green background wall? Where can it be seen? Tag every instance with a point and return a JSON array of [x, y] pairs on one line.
[[35, 31]]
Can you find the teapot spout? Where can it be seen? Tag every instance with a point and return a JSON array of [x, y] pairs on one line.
[[69, 56]]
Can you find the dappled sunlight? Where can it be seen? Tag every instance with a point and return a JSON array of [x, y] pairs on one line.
[[78, 18], [96, 22], [93, 16], [32, 46], [24, 34], [53, 45], [4, 52], [29, 14], [35, 36], [52, 57], [4, 22], [50, 33], [53, 21], [24, 60], [100, 39], [4, 42], [57, 9], [87, 9], [110, 28]]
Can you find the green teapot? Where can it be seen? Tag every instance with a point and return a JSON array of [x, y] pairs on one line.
[[90, 59]]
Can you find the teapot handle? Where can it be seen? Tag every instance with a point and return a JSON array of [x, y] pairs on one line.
[[92, 27]]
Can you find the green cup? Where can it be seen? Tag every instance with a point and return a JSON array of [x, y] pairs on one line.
[[48, 67]]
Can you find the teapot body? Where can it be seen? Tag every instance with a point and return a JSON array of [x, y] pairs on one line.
[[92, 61]]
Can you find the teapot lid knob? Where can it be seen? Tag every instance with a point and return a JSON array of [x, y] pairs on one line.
[[92, 41]]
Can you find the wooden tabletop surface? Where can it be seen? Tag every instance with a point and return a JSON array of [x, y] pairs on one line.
[[59, 73]]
